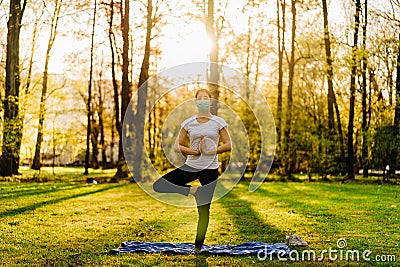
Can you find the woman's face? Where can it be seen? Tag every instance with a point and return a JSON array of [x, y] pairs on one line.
[[203, 101], [202, 96]]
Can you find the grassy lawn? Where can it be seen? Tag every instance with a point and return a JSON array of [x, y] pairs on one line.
[[66, 222]]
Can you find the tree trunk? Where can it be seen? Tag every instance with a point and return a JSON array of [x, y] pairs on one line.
[[122, 171], [329, 73], [102, 142], [42, 110], [112, 162], [34, 39], [397, 108], [155, 131], [12, 132], [54, 139], [115, 85], [248, 59], [142, 98], [341, 138], [94, 137], [350, 146], [100, 112], [214, 72], [89, 102], [30, 67], [288, 143], [364, 125], [281, 48], [151, 130]]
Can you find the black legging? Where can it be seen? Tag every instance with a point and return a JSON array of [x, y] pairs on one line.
[[176, 181]]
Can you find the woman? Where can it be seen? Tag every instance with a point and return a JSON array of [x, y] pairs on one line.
[[204, 131]]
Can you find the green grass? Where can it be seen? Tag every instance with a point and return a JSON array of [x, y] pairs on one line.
[[70, 223], [59, 174]]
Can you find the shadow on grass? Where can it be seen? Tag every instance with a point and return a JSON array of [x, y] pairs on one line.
[[316, 202], [35, 206], [248, 224], [35, 191]]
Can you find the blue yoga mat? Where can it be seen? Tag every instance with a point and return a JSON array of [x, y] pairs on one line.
[[248, 248]]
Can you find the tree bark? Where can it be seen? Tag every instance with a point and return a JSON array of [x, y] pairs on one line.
[[341, 138], [214, 72], [248, 60], [350, 145], [42, 110], [329, 72], [142, 98], [151, 130], [94, 137], [281, 48], [122, 171], [34, 39], [100, 113], [12, 131], [89, 102], [288, 142], [115, 85], [397, 107], [364, 125]]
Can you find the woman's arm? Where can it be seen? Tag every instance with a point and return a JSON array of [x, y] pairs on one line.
[[226, 144], [179, 147], [226, 141]]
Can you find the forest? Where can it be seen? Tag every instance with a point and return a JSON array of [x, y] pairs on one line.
[[328, 70]]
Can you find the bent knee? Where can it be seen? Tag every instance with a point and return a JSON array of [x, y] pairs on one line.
[[157, 185]]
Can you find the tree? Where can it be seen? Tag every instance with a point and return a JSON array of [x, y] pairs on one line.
[[281, 49], [122, 171], [142, 96], [332, 104], [94, 139], [42, 111], [89, 101], [28, 85], [214, 72], [100, 113], [340, 133], [350, 131], [287, 141], [397, 108], [329, 73], [364, 123], [116, 117], [12, 130], [34, 40]]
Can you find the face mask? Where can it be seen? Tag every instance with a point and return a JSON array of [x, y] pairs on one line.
[[203, 104]]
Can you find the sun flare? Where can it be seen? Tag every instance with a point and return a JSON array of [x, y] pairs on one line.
[[190, 45]]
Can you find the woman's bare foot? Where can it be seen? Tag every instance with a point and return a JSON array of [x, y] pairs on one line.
[[193, 190]]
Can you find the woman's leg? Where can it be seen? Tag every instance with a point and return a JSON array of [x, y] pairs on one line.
[[204, 196], [202, 224], [176, 181]]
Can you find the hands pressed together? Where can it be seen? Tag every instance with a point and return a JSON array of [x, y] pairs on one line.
[[202, 148]]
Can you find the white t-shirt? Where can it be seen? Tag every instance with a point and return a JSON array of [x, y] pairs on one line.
[[210, 131]]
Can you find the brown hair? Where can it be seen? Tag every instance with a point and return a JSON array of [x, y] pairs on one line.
[[203, 90]]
